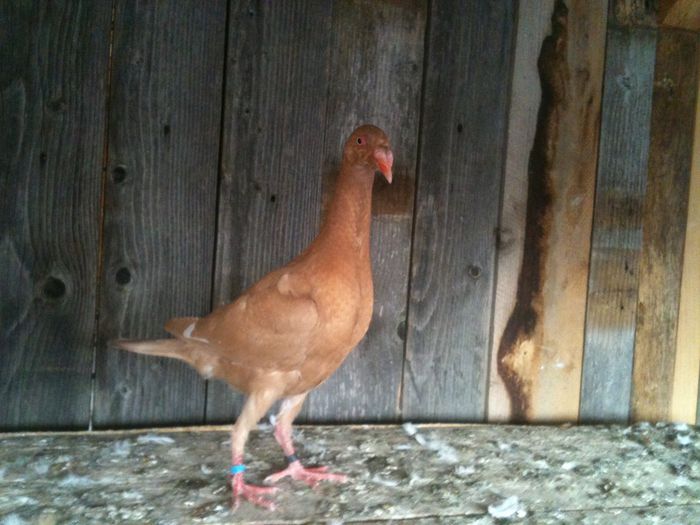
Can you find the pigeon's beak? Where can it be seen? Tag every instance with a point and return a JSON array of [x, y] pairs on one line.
[[384, 159]]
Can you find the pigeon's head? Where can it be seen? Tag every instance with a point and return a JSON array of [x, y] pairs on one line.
[[368, 146]]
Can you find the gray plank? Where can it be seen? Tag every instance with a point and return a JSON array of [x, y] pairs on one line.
[[617, 225], [52, 100], [377, 82], [160, 197], [275, 105], [458, 190]]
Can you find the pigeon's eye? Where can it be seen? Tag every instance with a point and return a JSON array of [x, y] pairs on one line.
[[359, 140]]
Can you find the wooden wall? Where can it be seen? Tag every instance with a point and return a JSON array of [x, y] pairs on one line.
[[535, 260]]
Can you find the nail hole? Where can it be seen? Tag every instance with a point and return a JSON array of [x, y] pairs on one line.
[[42, 157], [474, 271], [57, 104], [119, 174], [273, 197], [166, 130], [123, 276], [54, 288], [460, 128], [401, 330]]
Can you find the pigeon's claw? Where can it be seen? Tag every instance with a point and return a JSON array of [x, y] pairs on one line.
[[311, 476], [253, 493]]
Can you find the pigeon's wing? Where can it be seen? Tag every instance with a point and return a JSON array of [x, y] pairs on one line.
[[270, 326]]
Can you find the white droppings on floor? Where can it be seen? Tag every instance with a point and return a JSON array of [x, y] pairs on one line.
[[154, 438], [465, 472], [445, 452], [507, 508], [41, 466], [13, 519], [684, 440], [72, 480]]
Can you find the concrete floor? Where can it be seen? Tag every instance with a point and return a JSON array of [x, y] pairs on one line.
[[399, 474]]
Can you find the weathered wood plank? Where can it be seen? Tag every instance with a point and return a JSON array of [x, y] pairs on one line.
[[275, 109], [683, 14], [52, 112], [377, 82], [438, 473], [634, 12], [540, 351], [458, 190], [684, 398], [665, 207], [160, 196], [533, 26], [617, 225]]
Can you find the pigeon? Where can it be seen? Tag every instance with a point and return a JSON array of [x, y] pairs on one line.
[[288, 332]]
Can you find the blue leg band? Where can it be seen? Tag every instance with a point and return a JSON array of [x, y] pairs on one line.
[[237, 469]]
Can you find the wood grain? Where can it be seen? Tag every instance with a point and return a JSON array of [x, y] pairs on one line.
[[533, 26], [377, 82], [617, 225], [160, 196], [275, 109], [540, 353], [463, 132], [52, 109], [634, 12], [683, 14], [665, 207], [684, 398]]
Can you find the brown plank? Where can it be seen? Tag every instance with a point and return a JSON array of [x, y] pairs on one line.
[[377, 82], [617, 225], [275, 107], [160, 195], [665, 207], [533, 26], [684, 400], [463, 134], [52, 108], [540, 350], [683, 14]]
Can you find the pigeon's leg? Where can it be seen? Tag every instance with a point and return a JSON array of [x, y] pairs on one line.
[[254, 408], [283, 434]]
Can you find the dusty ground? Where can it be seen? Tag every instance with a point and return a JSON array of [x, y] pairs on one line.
[[399, 474]]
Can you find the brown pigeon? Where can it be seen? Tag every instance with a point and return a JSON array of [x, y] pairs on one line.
[[290, 331]]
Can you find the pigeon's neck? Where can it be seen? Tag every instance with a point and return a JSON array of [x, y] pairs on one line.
[[350, 212]]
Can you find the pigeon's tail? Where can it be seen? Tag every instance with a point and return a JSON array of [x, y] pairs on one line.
[[160, 347], [181, 326], [191, 352]]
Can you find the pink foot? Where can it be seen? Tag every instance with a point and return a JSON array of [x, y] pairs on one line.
[[311, 476], [252, 493]]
